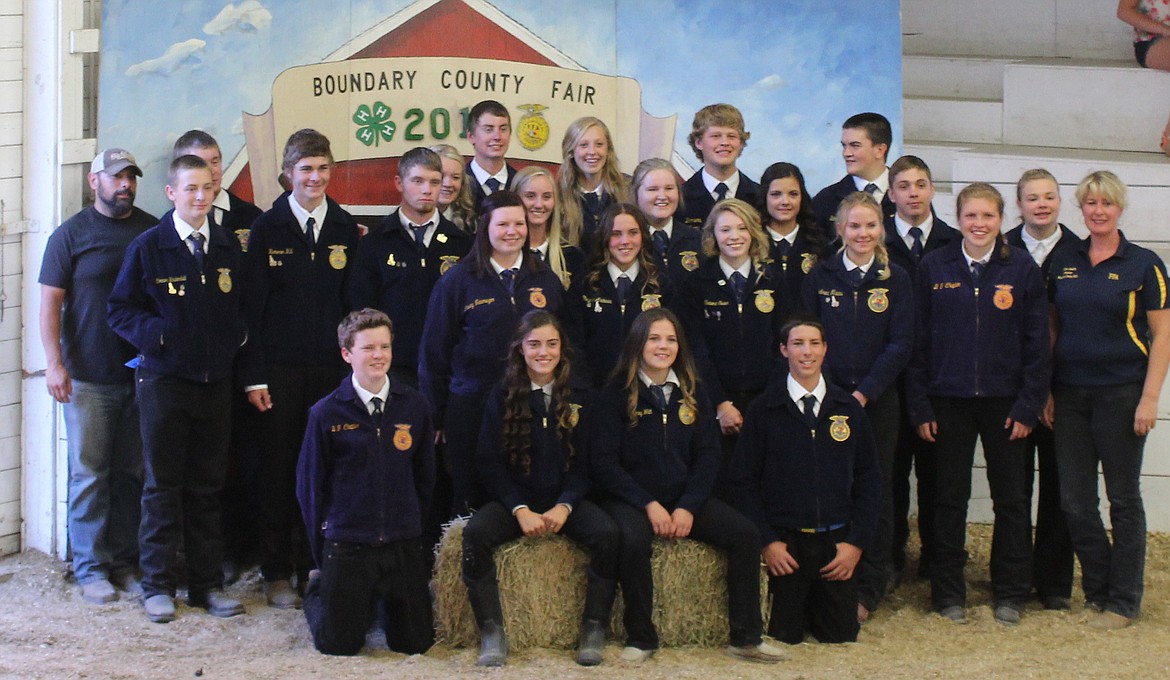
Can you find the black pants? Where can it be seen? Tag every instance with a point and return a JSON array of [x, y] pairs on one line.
[[723, 488], [294, 389], [493, 525], [1052, 549], [917, 454], [355, 579], [875, 567], [717, 524], [461, 424], [960, 421], [185, 430], [240, 507], [804, 600]]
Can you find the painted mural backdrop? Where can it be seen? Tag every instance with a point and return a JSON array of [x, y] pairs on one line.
[[381, 76]]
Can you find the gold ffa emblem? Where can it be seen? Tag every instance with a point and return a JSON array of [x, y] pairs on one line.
[[878, 300], [765, 303], [536, 298], [686, 414], [242, 235], [446, 262], [402, 438], [839, 428], [651, 302], [225, 280], [690, 260], [532, 129], [337, 257], [574, 414], [1003, 297], [807, 261]]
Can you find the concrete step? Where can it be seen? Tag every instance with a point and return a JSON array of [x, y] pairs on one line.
[[953, 119], [925, 75]]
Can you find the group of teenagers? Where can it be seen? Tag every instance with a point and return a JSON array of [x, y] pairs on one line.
[[617, 359]]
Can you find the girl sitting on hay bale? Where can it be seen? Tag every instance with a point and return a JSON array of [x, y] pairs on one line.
[[656, 454], [533, 461]]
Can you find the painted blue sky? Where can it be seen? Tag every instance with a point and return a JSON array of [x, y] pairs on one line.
[[796, 68]]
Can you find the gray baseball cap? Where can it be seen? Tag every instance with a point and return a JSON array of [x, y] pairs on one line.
[[114, 160]]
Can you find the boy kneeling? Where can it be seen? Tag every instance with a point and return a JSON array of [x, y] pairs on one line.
[[364, 481]]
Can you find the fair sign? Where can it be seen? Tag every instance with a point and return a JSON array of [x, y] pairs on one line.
[[380, 108]]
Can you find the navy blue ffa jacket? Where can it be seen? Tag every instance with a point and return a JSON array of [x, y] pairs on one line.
[[941, 234], [986, 338], [1104, 336], [591, 217], [295, 297], [699, 202], [827, 200], [363, 478], [394, 275], [552, 476], [1069, 242], [470, 321], [735, 342], [869, 328], [790, 270], [792, 476], [574, 261], [184, 322], [670, 457], [684, 252], [602, 320], [237, 221], [477, 193]]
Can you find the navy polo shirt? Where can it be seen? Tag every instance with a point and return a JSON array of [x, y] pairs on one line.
[[1104, 336]]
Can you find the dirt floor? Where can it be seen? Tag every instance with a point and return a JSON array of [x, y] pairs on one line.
[[48, 631]]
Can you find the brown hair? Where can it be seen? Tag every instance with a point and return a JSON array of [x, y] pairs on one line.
[[517, 386], [361, 320], [625, 371]]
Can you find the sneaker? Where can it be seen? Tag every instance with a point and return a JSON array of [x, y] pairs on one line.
[[281, 595], [1008, 615], [99, 591], [764, 652], [635, 656], [954, 613], [217, 603], [1108, 620], [1056, 603], [160, 608]]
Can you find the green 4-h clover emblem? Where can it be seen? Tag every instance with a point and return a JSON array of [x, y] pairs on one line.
[[374, 125]]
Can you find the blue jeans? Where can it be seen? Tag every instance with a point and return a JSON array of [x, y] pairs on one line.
[[105, 478], [1095, 425]]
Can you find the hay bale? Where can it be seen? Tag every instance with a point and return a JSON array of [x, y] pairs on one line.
[[542, 590]]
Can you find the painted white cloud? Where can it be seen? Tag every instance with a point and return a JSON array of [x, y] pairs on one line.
[[770, 82], [176, 55], [247, 17]]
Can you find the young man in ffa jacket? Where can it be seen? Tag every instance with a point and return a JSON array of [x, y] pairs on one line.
[[364, 480], [718, 138], [807, 469], [865, 143], [489, 129]]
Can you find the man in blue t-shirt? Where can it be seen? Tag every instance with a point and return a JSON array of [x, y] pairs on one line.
[[85, 371]]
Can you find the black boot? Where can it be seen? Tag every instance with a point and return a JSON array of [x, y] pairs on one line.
[[591, 646], [484, 595], [599, 595]]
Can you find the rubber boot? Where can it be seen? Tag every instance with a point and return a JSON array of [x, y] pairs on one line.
[[484, 595], [599, 596]]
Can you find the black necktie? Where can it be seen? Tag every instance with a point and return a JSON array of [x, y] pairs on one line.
[[659, 396], [916, 249], [538, 402], [721, 191], [782, 247], [420, 233], [592, 202], [872, 190], [810, 414], [196, 240], [855, 276], [738, 284], [492, 184], [661, 242], [537, 254], [377, 402], [310, 228], [508, 276], [977, 271]]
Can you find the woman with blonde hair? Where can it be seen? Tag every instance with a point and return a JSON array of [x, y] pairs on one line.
[[455, 193], [538, 190], [590, 179]]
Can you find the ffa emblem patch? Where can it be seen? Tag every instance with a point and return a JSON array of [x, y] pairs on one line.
[[574, 414], [689, 259], [1003, 297], [536, 298], [764, 301], [242, 235], [807, 261], [225, 280], [402, 439], [447, 261], [878, 301], [651, 302], [686, 414], [839, 429], [337, 257]]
